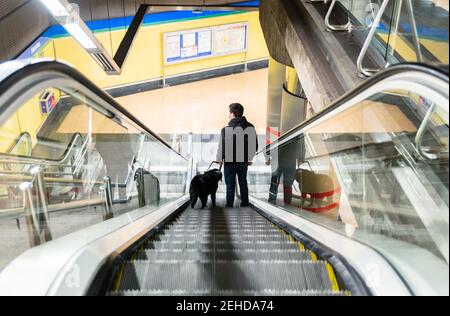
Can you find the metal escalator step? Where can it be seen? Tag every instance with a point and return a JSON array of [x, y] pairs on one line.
[[223, 254], [226, 253], [262, 293], [224, 218], [231, 231], [238, 244], [221, 218], [219, 214], [223, 227], [219, 238], [226, 276], [219, 224], [208, 232]]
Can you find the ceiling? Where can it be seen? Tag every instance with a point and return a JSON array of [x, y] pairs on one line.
[[102, 9], [22, 21]]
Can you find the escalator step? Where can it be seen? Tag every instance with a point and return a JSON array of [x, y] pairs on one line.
[[238, 244], [223, 220], [203, 238], [208, 232], [206, 276], [261, 293], [223, 254], [226, 253], [220, 227]]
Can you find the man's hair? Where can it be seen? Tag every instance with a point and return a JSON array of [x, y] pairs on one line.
[[237, 109]]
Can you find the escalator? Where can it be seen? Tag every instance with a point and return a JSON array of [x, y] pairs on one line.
[[224, 252], [350, 229]]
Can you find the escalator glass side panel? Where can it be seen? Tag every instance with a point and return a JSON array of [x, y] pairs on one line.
[[409, 31], [68, 160], [376, 171]]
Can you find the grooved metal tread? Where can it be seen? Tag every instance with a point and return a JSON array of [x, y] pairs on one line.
[[237, 244], [260, 293], [226, 275], [224, 252]]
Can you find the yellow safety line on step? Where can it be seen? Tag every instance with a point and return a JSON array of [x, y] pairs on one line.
[[332, 277], [119, 278], [301, 247], [313, 257]]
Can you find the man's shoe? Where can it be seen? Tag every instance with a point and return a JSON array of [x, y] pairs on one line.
[[245, 205], [229, 206]]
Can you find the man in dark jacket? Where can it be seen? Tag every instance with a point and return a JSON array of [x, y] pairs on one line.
[[237, 149]]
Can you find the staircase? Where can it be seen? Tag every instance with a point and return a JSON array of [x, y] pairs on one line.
[[224, 252]]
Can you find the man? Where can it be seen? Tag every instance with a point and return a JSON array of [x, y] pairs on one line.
[[237, 149], [284, 166]]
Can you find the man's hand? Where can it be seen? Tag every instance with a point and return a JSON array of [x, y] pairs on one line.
[[250, 164]]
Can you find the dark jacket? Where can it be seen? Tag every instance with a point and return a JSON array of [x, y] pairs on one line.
[[238, 142]]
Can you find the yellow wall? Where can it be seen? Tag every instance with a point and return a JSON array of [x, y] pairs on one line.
[[27, 119], [145, 60], [9, 131], [439, 49]]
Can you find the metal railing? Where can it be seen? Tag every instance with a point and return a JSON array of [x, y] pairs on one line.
[[18, 159], [363, 71]]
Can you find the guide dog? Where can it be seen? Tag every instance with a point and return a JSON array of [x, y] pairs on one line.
[[202, 186]]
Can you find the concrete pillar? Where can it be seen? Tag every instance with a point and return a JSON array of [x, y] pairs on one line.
[[277, 75], [294, 103]]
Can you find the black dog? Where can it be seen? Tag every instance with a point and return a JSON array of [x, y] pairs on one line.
[[205, 185]]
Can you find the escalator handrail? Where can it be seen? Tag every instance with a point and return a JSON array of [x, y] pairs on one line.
[[37, 66], [18, 159], [437, 72], [21, 137]]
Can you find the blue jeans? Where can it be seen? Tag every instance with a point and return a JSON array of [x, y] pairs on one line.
[[231, 171]]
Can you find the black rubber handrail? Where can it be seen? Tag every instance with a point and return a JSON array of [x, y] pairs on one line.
[[18, 139], [74, 138], [75, 75], [440, 72]]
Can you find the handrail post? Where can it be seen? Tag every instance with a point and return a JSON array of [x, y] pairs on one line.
[[107, 199], [36, 208], [140, 187], [190, 147], [345, 27], [361, 69], [192, 162], [415, 31]]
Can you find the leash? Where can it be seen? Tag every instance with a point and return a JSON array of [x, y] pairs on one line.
[[212, 163]]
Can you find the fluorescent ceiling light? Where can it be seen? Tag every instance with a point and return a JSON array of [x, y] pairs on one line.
[[80, 35], [56, 8]]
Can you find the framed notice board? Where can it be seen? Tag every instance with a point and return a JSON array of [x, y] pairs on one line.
[[190, 45]]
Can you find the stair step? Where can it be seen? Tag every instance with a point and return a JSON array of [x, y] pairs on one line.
[[250, 293], [237, 244], [218, 238], [216, 226], [226, 275], [223, 254], [220, 231], [226, 253]]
